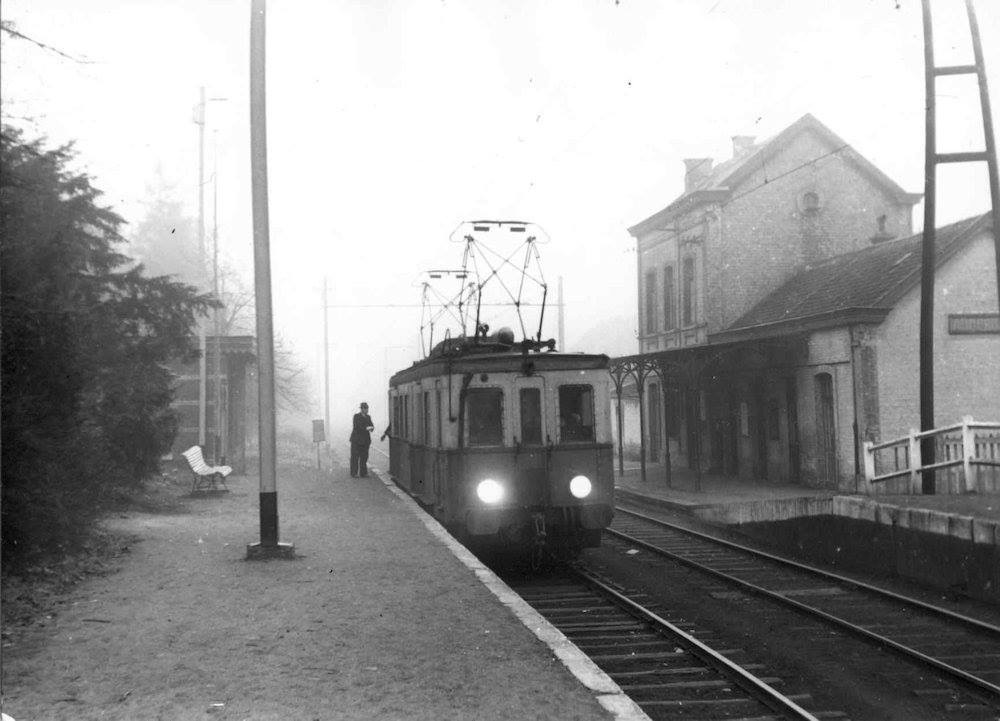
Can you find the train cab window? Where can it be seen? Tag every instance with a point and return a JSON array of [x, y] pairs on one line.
[[484, 413], [531, 416], [576, 413]]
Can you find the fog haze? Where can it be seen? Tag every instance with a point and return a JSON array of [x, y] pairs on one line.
[[390, 123]]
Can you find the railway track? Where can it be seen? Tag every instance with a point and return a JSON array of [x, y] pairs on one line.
[[962, 650], [667, 667]]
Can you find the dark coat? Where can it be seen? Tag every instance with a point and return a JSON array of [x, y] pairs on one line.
[[361, 434]]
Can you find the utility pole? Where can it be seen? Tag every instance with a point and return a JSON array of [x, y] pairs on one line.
[[199, 119], [268, 547], [326, 365], [562, 319], [220, 436]]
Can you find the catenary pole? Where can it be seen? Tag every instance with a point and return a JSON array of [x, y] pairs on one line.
[[268, 547], [990, 136], [927, 259]]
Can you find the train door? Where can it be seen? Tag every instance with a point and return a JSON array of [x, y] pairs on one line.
[[530, 456]]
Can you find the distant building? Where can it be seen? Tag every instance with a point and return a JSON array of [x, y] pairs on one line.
[[225, 442], [779, 299]]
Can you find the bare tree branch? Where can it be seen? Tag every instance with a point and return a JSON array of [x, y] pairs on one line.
[[8, 27]]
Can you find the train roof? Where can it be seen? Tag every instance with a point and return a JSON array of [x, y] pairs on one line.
[[499, 362]]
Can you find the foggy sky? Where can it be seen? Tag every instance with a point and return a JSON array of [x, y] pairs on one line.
[[391, 122]]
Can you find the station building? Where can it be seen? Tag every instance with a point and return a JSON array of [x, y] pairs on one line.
[[778, 309], [226, 438]]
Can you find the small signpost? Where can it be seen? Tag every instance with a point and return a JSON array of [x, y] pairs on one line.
[[319, 436]]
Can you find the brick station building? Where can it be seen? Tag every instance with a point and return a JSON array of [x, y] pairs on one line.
[[778, 314]]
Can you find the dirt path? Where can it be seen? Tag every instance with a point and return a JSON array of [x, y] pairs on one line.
[[374, 620]]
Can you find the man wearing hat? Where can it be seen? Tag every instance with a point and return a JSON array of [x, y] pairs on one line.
[[361, 439]]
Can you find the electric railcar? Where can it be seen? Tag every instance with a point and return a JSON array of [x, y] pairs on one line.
[[506, 444]]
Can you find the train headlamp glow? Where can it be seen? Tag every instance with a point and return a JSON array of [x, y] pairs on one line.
[[489, 491], [580, 486]]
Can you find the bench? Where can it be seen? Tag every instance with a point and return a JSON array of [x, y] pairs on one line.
[[204, 476]]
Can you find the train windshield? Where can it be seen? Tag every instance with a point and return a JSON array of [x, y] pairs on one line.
[[576, 413], [531, 416], [484, 407]]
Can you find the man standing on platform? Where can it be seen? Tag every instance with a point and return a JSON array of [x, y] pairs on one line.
[[361, 439]]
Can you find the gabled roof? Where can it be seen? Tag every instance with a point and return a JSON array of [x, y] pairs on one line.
[[725, 177], [859, 286]]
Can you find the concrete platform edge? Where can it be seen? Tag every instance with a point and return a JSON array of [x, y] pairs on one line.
[[964, 528], [607, 693]]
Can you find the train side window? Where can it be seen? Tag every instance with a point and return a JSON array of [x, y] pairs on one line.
[[484, 411], [576, 413], [531, 416], [437, 414], [427, 418]]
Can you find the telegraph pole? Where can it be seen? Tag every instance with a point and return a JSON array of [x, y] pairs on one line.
[[326, 365], [199, 119], [220, 447], [268, 547]]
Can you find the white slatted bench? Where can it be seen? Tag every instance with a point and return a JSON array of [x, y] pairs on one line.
[[205, 477]]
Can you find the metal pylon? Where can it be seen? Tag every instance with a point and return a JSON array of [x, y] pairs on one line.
[[931, 160]]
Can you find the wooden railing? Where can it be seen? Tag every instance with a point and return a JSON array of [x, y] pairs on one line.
[[967, 460]]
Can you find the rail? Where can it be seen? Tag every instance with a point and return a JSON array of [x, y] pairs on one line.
[[969, 454]]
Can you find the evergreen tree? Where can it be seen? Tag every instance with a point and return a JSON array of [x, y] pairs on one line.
[[85, 334], [166, 240]]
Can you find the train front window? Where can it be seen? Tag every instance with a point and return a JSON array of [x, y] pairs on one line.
[[531, 416], [576, 413], [484, 411]]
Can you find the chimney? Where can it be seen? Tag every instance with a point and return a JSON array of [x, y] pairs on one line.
[[697, 170], [742, 145]]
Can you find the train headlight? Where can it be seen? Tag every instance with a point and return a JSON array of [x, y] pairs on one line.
[[489, 491], [580, 486]]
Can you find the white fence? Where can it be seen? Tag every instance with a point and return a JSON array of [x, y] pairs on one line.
[[967, 460]]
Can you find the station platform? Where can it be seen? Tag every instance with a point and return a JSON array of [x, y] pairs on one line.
[[726, 500], [376, 617]]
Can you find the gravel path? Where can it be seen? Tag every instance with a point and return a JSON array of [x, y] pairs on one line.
[[374, 620]]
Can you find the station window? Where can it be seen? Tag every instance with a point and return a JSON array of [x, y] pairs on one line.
[[576, 413], [484, 413], [651, 302], [687, 291], [531, 416], [669, 312]]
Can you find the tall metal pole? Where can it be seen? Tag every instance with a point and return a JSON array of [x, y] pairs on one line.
[[562, 319], [990, 147], [269, 545], [927, 258], [220, 448], [326, 364], [199, 119]]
